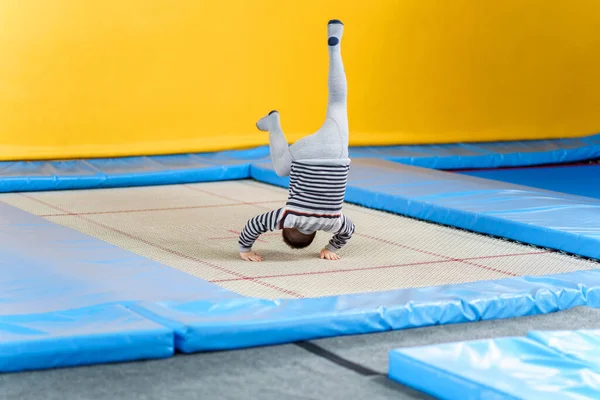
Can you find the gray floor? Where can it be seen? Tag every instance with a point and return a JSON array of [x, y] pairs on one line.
[[279, 372], [371, 350]]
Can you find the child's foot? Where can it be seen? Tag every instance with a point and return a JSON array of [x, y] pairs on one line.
[[335, 30], [263, 123]]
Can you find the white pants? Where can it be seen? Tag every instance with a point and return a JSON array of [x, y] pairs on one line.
[[330, 142]]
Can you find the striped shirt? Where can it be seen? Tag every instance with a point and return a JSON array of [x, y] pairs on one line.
[[315, 200]]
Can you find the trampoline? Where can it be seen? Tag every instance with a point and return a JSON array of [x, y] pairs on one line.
[[194, 228], [143, 251], [110, 260]]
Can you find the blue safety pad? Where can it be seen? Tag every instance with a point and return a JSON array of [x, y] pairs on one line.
[[247, 155], [58, 294], [577, 179], [246, 322], [69, 269], [487, 155], [84, 336], [235, 164], [71, 272], [119, 172], [505, 368], [548, 219]]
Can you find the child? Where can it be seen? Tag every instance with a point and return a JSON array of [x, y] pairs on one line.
[[318, 169]]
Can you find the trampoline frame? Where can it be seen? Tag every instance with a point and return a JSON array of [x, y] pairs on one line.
[[156, 324]]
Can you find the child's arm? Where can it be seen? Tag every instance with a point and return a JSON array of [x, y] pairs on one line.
[[340, 239], [256, 227]]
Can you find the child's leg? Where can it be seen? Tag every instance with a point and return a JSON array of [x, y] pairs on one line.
[[331, 140], [278, 145], [338, 88]]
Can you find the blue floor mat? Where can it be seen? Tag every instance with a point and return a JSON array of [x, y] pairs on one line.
[[583, 345], [544, 366], [80, 336]]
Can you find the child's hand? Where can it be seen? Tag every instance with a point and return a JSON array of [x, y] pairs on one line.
[[329, 255], [251, 256]]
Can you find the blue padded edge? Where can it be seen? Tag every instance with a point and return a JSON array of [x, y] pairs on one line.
[[92, 335], [70, 270], [487, 155], [503, 368], [574, 179], [32, 176], [247, 322], [228, 165], [65, 303]]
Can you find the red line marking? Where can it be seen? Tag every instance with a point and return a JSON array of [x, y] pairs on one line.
[[257, 204], [442, 256], [153, 209], [389, 242], [336, 271], [166, 249], [231, 198], [439, 255], [239, 233]]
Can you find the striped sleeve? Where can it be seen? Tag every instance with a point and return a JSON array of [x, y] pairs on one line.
[[340, 239], [256, 227]]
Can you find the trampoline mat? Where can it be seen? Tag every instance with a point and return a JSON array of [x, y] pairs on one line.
[[195, 228]]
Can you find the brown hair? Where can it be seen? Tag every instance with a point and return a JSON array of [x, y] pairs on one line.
[[296, 239]]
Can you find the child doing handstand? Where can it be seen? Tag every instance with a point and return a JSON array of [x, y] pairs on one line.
[[318, 168]]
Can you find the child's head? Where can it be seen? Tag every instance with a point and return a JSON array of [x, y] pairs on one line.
[[296, 239]]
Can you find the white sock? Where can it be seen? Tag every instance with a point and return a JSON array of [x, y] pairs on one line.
[[278, 144], [338, 88]]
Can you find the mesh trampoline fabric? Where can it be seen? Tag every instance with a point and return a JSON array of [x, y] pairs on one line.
[[194, 228]]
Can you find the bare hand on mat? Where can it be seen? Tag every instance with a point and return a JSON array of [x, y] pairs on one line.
[[251, 256], [329, 255]]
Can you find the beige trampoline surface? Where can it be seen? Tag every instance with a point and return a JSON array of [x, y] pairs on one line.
[[195, 228]]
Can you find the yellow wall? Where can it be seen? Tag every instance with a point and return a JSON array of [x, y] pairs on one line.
[[82, 78]]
